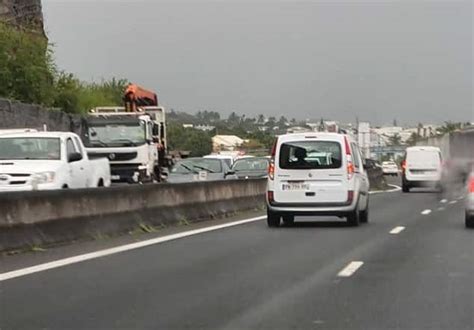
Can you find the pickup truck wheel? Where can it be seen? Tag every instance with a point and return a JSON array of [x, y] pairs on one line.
[[353, 219], [469, 221], [100, 183], [65, 186], [273, 219]]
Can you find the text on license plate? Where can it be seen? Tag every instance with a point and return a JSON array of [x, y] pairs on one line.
[[295, 186]]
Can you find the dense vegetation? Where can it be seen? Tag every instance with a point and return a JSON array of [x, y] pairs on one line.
[[28, 74]]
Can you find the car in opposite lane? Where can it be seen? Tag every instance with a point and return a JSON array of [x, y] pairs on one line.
[[47, 161], [251, 167], [390, 168], [200, 169]]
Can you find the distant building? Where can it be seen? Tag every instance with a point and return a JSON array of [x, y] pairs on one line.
[[297, 129], [226, 143], [205, 128]]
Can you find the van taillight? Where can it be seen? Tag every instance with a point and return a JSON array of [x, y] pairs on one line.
[[471, 184], [350, 164], [350, 169], [273, 151], [270, 196], [404, 165], [271, 170]]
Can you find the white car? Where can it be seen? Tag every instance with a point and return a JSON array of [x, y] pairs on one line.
[[316, 174], [48, 160], [470, 202], [229, 159], [390, 168], [421, 167]]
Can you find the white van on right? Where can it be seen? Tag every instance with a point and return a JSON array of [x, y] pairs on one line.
[[421, 167]]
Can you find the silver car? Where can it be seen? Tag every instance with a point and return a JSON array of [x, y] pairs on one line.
[[470, 201], [200, 169]]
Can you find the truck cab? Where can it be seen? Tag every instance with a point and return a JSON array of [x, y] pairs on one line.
[[134, 142]]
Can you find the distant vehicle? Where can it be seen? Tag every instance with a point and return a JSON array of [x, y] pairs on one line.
[[421, 167], [48, 160], [390, 168], [317, 174], [459, 160], [251, 167], [372, 164], [470, 201], [132, 137], [200, 169], [229, 159]]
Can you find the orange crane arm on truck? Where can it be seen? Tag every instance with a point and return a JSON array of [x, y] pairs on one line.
[[136, 96]]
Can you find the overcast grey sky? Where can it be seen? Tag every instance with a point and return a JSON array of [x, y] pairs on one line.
[[378, 60]]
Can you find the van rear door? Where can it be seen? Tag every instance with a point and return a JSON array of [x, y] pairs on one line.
[[311, 171], [421, 162]]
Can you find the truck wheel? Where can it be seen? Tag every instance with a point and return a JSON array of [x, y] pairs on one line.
[[288, 220], [273, 219], [353, 219], [469, 221]]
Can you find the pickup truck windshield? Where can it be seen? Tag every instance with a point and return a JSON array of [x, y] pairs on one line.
[[30, 148], [117, 135]]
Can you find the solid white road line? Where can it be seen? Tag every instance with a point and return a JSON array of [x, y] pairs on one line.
[[118, 249], [350, 269], [396, 188], [426, 212], [397, 230]]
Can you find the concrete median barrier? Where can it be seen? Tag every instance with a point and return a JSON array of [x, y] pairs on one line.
[[49, 217]]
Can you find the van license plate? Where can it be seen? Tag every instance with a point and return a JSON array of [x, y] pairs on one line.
[[294, 186]]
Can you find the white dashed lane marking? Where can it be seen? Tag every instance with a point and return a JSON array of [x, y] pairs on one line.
[[350, 269], [397, 230], [426, 212]]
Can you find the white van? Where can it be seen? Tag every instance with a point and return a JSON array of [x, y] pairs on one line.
[[317, 174], [421, 167]]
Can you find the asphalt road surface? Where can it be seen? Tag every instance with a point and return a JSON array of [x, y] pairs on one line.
[[411, 267]]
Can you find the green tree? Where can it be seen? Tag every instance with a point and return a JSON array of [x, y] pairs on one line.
[[395, 140], [449, 127], [413, 139], [199, 143], [26, 66]]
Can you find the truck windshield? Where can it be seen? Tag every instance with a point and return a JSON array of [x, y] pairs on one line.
[[117, 135], [30, 148]]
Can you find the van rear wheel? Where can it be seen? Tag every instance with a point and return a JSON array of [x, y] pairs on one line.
[[364, 215], [288, 220], [469, 221], [353, 219], [273, 219]]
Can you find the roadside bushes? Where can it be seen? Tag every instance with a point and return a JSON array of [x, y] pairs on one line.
[[28, 74]]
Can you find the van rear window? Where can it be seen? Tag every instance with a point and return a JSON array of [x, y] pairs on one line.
[[310, 155]]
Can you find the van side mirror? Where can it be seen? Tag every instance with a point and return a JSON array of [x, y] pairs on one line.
[[74, 157]]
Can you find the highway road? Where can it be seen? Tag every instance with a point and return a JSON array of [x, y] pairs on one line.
[[411, 267]]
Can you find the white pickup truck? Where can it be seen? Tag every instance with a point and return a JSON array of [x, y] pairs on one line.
[[48, 160]]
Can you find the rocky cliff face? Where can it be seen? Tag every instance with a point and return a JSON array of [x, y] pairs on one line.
[[24, 13]]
